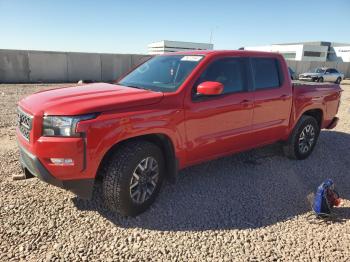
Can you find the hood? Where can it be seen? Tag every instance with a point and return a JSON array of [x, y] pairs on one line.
[[90, 98]]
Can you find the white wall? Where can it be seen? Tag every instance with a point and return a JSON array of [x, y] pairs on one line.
[[342, 53], [315, 48], [42, 66], [165, 46], [297, 49]]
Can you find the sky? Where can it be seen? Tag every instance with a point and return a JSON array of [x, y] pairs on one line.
[[128, 26]]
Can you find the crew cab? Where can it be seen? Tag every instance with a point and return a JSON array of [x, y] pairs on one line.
[[171, 112]]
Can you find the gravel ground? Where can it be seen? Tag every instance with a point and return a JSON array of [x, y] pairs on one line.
[[251, 206]]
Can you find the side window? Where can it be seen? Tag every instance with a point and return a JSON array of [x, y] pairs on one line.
[[334, 71], [266, 73], [231, 72]]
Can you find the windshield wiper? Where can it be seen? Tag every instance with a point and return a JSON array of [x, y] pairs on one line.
[[132, 86]]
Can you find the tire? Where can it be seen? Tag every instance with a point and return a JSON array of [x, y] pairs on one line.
[[338, 80], [119, 181], [295, 146], [320, 80]]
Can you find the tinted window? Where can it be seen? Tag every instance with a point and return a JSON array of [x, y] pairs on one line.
[[317, 70], [313, 53], [231, 72], [266, 73], [333, 71]]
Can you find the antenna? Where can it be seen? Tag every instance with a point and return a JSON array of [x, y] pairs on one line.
[[211, 34]]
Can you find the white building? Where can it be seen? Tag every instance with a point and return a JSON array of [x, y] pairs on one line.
[[166, 46], [342, 53], [308, 51]]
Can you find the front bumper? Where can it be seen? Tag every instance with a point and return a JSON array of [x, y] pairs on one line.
[[308, 78], [81, 187]]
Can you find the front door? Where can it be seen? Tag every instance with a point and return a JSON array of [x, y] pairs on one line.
[[217, 125]]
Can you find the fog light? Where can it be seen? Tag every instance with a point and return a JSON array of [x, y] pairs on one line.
[[62, 161]]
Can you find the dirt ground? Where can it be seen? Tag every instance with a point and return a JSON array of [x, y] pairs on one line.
[[251, 206]]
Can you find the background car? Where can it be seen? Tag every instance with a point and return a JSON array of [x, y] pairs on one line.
[[321, 74], [292, 74]]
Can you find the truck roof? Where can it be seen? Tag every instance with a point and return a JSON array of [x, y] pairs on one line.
[[222, 52]]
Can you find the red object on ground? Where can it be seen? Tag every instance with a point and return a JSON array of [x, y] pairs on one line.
[[337, 202]]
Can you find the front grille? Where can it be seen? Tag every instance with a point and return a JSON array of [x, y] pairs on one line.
[[24, 123]]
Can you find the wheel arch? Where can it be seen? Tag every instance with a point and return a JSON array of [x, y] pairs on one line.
[[163, 141], [316, 113]]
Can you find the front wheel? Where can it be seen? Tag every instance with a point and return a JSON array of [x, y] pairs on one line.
[[338, 80], [303, 139], [320, 80], [133, 178]]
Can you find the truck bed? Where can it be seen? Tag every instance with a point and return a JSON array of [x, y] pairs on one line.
[[323, 95], [298, 83]]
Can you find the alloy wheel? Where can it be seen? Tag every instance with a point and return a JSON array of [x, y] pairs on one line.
[[144, 180], [306, 139]]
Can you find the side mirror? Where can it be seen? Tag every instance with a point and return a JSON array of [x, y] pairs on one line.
[[210, 88]]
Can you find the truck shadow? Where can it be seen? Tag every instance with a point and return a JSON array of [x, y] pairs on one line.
[[247, 190]]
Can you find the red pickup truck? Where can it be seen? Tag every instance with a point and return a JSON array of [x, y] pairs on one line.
[[173, 111]]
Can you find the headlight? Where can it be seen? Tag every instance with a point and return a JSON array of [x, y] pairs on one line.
[[63, 125]]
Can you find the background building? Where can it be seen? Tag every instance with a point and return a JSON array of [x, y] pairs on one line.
[[166, 46], [340, 53], [309, 51]]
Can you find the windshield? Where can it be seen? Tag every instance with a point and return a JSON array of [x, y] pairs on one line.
[[317, 70], [162, 73]]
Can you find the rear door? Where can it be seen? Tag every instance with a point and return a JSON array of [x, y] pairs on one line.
[[217, 125], [328, 75], [272, 100], [334, 74]]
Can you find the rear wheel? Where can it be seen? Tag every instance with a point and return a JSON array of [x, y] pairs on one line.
[[338, 80], [133, 178], [320, 80], [303, 139]]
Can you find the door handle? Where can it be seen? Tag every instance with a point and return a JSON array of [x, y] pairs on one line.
[[245, 102], [284, 97]]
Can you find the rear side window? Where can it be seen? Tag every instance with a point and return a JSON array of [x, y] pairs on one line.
[[266, 73], [231, 72]]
